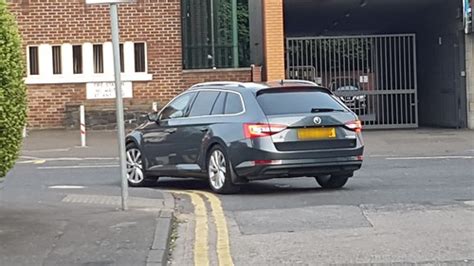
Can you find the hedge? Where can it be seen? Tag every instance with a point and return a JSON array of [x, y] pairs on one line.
[[12, 90]]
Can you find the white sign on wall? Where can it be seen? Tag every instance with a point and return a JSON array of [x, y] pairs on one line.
[[106, 90], [364, 79]]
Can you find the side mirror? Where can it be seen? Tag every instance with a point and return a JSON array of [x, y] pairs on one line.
[[152, 117]]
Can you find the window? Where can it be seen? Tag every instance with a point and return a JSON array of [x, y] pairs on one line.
[[203, 103], [218, 108], [98, 57], [233, 104], [303, 101], [77, 59], [122, 62], [140, 57], [211, 38], [177, 108], [57, 69], [33, 60]]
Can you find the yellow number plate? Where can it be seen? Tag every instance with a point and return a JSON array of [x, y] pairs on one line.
[[316, 133]]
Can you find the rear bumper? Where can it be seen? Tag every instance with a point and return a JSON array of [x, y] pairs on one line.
[[298, 168]]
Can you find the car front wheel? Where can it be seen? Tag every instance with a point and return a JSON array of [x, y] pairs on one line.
[[135, 172]]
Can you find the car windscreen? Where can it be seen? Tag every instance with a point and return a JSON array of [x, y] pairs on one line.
[[279, 102]]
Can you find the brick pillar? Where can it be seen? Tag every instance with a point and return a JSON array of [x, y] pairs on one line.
[[256, 73], [274, 37]]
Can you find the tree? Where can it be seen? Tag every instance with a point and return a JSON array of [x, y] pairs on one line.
[[12, 90]]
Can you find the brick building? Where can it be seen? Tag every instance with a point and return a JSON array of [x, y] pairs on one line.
[[412, 69], [68, 50]]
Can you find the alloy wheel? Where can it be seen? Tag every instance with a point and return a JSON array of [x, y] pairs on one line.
[[135, 173], [217, 169]]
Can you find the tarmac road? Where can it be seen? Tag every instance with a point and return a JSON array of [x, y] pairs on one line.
[[412, 202]]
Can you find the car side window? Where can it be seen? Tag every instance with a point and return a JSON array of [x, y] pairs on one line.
[[203, 103], [218, 108], [233, 104], [177, 108]]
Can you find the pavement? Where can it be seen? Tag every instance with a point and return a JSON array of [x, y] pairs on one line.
[[72, 216]]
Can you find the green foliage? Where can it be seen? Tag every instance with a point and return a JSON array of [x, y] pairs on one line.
[[224, 27], [12, 90]]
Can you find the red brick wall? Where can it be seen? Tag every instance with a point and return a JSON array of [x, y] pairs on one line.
[[157, 22], [47, 103]]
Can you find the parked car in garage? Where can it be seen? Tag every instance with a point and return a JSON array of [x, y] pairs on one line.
[[231, 133], [350, 92]]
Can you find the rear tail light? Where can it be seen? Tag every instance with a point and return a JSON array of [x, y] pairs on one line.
[[262, 130], [354, 125], [267, 162]]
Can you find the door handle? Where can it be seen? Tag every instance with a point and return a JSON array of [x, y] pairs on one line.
[[171, 131], [204, 129]]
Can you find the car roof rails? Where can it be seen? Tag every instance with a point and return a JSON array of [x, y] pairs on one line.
[[219, 83], [302, 81]]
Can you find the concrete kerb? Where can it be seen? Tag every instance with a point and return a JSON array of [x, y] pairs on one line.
[[158, 254]]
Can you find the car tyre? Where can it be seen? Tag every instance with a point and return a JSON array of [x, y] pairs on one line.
[[332, 181], [219, 171], [136, 174]]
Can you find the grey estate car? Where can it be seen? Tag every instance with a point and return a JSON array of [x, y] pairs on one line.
[[231, 133]]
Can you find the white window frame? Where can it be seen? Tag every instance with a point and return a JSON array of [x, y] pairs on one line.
[[88, 75], [28, 70]]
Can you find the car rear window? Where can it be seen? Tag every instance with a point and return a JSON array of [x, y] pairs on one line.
[[294, 102]]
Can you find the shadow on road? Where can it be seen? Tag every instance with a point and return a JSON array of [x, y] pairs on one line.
[[253, 188]]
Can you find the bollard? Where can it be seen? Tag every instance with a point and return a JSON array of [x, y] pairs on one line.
[[83, 126], [155, 107]]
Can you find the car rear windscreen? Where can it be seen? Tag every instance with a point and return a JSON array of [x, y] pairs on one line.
[[294, 102]]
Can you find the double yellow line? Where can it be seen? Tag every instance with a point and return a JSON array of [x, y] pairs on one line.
[[201, 240]]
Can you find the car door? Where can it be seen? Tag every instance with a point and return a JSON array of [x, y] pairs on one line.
[[196, 126], [162, 142]]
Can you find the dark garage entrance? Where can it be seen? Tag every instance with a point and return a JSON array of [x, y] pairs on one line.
[[329, 40]]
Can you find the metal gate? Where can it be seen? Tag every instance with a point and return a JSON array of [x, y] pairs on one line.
[[375, 76]]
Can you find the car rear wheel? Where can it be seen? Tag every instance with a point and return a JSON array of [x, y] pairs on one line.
[[136, 175], [219, 172], [332, 181]]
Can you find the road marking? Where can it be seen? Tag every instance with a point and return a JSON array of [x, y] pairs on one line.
[[201, 244], [469, 202], [77, 166], [39, 161], [66, 187], [223, 246], [141, 203], [80, 159], [430, 158], [35, 160]]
